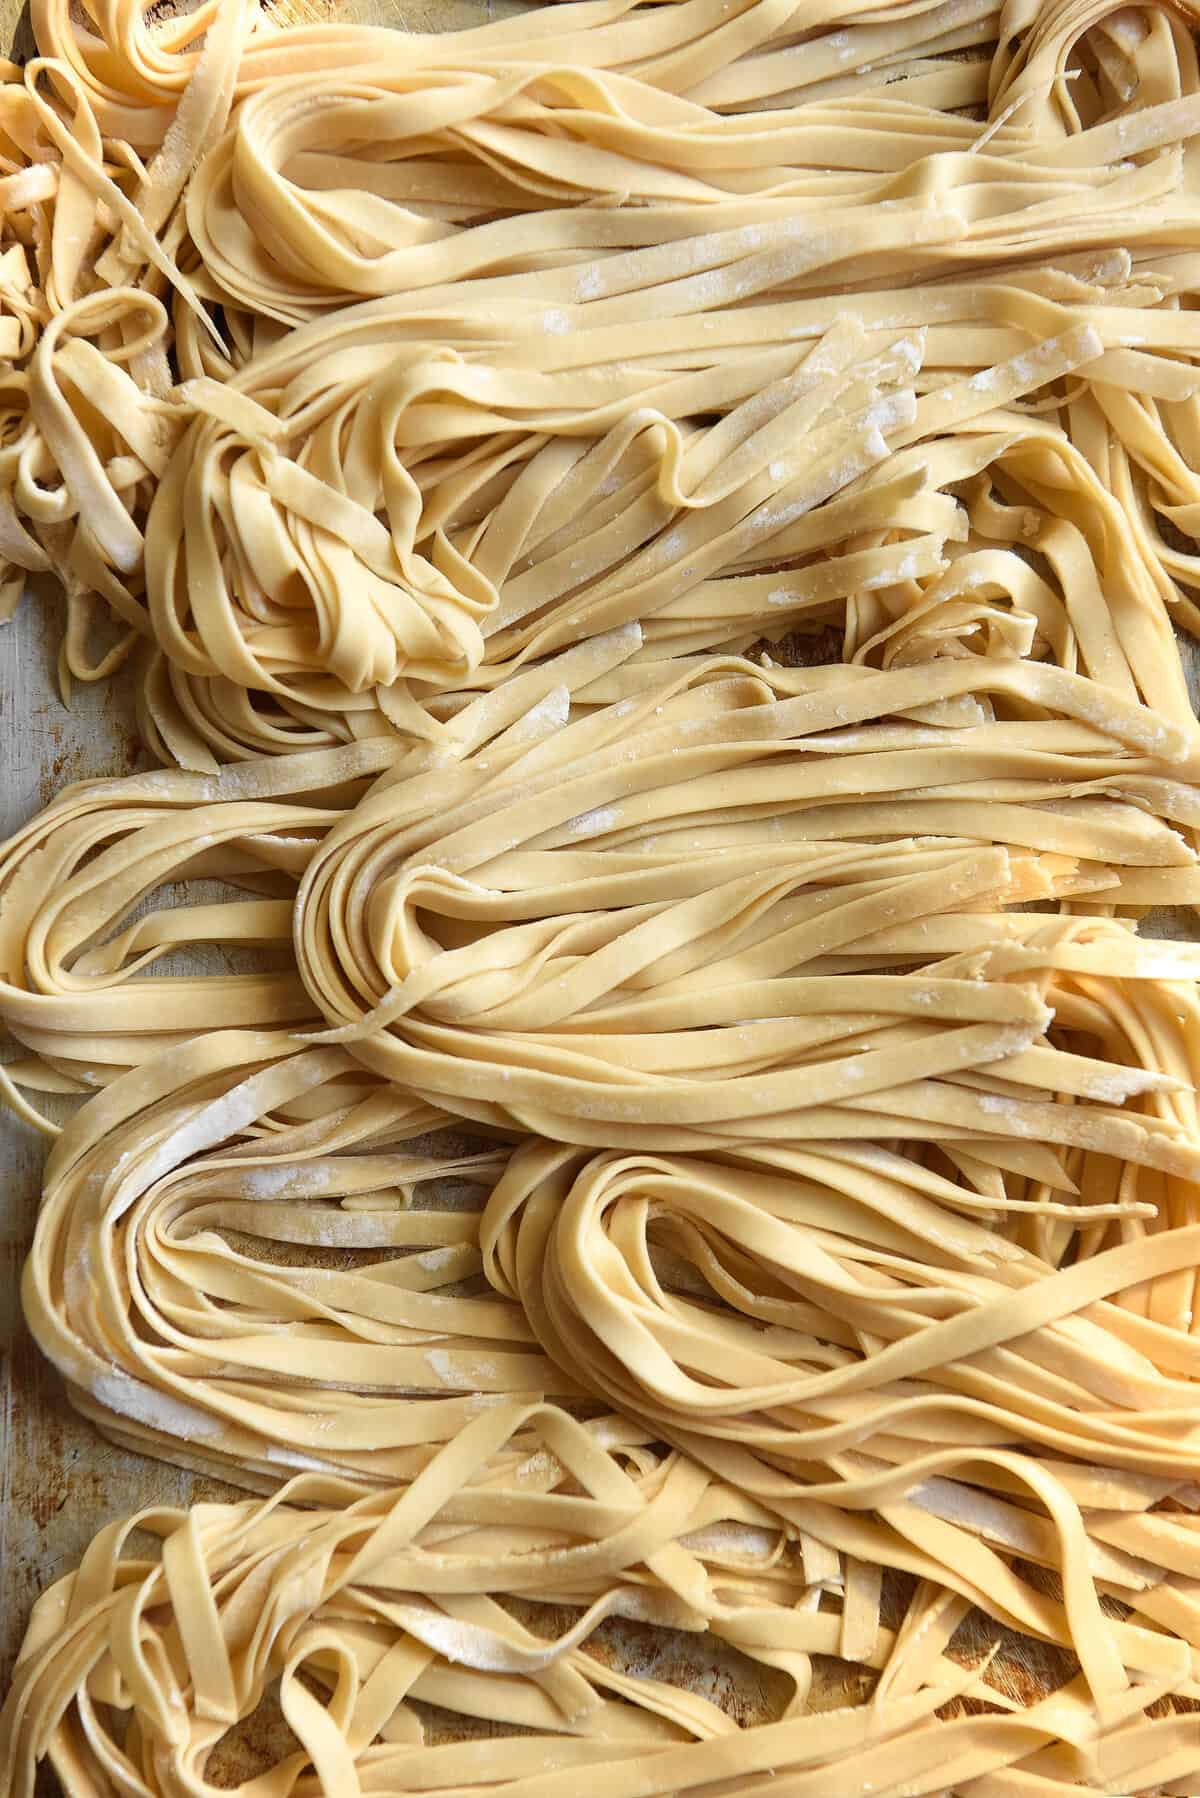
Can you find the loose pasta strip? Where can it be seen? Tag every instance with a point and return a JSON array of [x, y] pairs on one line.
[[366, 1607]]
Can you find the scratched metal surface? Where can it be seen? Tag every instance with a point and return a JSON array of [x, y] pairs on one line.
[[59, 1481]]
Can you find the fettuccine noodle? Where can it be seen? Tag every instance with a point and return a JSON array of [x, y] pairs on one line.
[[627, 929]]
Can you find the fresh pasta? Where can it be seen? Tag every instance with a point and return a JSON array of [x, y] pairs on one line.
[[311, 1358], [621, 1054], [585, 304], [855, 1382], [69, 977], [366, 1609], [134, 912], [626, 929], [369, 1608]]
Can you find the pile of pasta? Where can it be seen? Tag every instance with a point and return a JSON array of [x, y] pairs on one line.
[[383, 1604], [633, 927], [623, 1073], [905, 1258], [357, 370], [835, 1331]]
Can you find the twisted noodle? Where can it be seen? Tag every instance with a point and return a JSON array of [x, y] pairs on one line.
[[823, 1273], [600, 501], [210, 1353], [754, 1235], [256, 1363], [220, 856], [379, 1603], [77, 964]]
